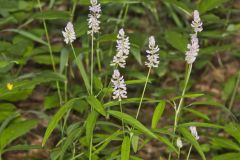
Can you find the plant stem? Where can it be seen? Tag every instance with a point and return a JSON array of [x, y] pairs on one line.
[[51, 53], [178, 109], [189, 152], [125, 15], [234, 92], [92, 61], [90, 149], [98, 57], [120, 104], [81, 69], [144, 89]]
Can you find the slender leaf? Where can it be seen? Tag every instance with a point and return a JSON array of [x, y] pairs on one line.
[[90, 125], [96, 104], [125, 149], [158, 113], [57, 117]]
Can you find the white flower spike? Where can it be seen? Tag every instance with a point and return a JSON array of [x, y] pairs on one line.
[[93, 17], [196, 23], [194, 132], [193, 49], [119, 86], [123, 47], [153, 56], [69, 34], [179, 143]]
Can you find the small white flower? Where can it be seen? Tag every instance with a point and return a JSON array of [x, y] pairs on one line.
[[119, 86], [123, 47], [93, 17], [69, 34], [196, 23], [153, 56], [179, 143], [194, 132], [193, 49]]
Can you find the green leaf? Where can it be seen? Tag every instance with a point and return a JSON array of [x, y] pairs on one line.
[[158, 114], [133, 122], [108, 140], [57, 117], [200, 124], [125, 149], [207, 5], [181, 5], [228, 156], [90, 125], [197, 113], [96, 104], [14, 131], [176, 40], [108, 38], [23, 148], [135, 140], [27, 35], [50, 15], [233, 129], [225, 143], [192, 140]]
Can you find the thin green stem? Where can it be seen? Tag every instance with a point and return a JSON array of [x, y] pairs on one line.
[[189, 152], [73, 10], [178, 109], [144, 89], [92, 61], [81, 69], [90, 150], [51, 53], [125, 15], [234, 92]]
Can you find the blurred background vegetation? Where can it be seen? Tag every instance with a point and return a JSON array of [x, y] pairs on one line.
[[25, 63]]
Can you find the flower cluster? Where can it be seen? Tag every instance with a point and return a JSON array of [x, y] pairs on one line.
[[123, 47], [153, 56], [93, 21], [69, 34], [196, 23], [179, 143], [119, 86], [193, 47], [194, 132]]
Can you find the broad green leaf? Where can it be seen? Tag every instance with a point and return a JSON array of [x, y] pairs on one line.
[[63, 60], [14, 131], [90, 125], [176, 40], [57, 117], [158, 114], [228, 156], [45, 59], [224, 143], [138, 81], [125, 149], [192, 140], [107, 141], [107, 38], [28, 35], [136, 124], [135, 140], [233, 129], [207, 5], [133, 122], [200, 124], [197, 113], [50, 15], [22, 148], [181, 5], [96, 104]]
